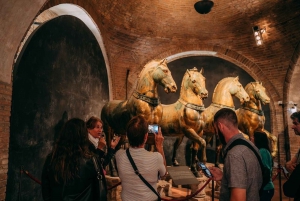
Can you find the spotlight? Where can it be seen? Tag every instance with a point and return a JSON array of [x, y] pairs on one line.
[[257, 32], [204, 6]]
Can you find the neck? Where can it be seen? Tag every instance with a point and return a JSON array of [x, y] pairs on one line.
[[140, 146], [231, 133], [253, 103], [190, 97], [223, 98], [147, 86]]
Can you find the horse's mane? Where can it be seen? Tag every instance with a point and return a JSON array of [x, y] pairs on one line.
[[250, 86], [222, 81], [150, 64], [192, 70], [186, 74]]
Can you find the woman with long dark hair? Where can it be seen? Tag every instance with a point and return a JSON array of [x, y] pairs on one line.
[[69, 172], [262, 143]]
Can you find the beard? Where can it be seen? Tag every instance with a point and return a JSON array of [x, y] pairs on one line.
[[221, 137]]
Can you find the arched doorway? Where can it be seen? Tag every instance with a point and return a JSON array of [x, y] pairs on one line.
[[60, 74]]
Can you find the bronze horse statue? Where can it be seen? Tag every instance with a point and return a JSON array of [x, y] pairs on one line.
[[222, 98], [251, 116], [183, 118], [144, 100]]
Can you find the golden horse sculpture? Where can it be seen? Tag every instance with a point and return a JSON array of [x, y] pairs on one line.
[[144, 100], [251, 116], [222, 98], [183, 118]]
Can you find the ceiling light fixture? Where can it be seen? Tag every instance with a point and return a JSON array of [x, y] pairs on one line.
[[204, 6], [257, 32]]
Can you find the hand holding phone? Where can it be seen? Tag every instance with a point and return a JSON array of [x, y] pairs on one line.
[[153, 128], [205, 170]]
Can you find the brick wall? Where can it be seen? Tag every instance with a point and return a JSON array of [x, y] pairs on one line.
[[5, 107]]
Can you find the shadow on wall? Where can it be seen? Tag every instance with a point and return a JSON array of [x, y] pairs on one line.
[[60, 74], [215, 69]]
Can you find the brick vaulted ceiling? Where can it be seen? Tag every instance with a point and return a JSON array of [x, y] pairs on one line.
[[140, 26]]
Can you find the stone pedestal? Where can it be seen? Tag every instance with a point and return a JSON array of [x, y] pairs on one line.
[[201, 196], [115, 193], [164, 188]]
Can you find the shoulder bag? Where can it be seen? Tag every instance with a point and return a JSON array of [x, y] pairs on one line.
[[94, 191], [101, 187]]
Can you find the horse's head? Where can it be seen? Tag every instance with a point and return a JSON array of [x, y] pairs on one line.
[[196, 82], [238, 90], [162, 75], [258, 92]]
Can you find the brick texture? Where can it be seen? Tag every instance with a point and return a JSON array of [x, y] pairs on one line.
[[5, 106]]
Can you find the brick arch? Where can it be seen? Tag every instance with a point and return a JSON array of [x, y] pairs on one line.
[[232, 56], [292, 74], [88, 15]]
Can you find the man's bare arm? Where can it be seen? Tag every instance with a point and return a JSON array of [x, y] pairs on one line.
[[238, 194]]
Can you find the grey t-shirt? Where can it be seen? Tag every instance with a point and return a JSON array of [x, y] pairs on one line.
[[241, 170]]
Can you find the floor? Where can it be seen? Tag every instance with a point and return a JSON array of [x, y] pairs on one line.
[[180, 192]]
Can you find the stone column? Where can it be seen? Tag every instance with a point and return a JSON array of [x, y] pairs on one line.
[[201, 196]]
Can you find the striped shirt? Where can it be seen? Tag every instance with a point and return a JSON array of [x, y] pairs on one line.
[[149, 164]]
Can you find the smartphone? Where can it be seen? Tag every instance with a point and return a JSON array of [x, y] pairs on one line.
[[205, 170], [153, 128]]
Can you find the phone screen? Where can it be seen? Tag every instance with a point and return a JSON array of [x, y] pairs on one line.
[[153, 128], [205, 170]]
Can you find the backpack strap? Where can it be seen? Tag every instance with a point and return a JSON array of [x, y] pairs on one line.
[[245, 143]]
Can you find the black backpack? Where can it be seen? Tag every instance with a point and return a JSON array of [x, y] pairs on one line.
[[266, 173]]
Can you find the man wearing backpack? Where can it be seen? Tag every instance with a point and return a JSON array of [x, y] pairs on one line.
[[290, 165], [242, 174], [291, 188]]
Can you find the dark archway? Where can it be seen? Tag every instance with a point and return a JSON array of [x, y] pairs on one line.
[[215, 69], [60, 74]]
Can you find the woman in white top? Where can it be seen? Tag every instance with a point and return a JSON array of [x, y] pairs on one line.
[[151, 165]]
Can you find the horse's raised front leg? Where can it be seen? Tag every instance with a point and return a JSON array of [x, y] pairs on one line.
[[175, 148]]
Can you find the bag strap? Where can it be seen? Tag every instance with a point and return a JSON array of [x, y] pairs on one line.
[[244, 142], [136, 171], [96, 165]]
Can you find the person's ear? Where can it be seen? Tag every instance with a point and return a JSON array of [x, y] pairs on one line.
[[221, 126]]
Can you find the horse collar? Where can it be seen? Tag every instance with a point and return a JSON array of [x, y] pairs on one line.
[[199, 108], [152, 101], [223, 106], [259, 112]]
